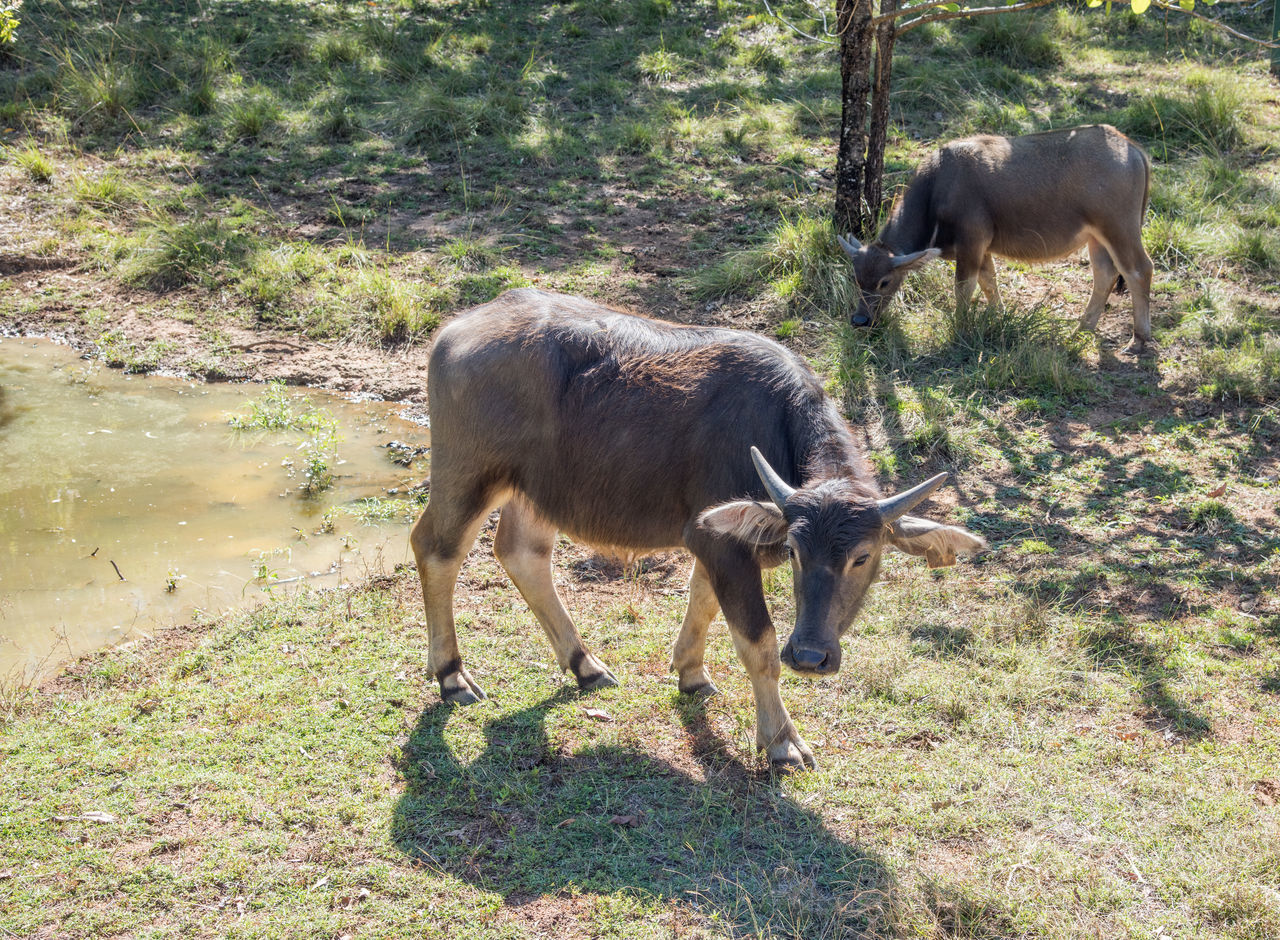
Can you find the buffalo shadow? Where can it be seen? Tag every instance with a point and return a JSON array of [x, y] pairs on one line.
[[530, 822]]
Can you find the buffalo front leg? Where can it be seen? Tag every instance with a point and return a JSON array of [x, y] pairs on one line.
[[1104, 280], [523, 546], [691, 644], [735, 578], [441, 539], [987, 280], [968, 271], [776, 735]]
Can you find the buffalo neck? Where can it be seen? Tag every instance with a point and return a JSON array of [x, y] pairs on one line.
[[911, 226]]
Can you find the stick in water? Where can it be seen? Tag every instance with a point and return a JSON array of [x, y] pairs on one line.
[[117, 567]]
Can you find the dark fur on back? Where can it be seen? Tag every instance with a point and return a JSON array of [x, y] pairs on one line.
[[1032, 194], [621, 430]]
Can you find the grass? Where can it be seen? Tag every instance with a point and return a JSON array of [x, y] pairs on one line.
[[1073, 736]]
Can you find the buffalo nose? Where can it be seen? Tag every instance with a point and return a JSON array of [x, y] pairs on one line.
[[861, 319], [806, 658]]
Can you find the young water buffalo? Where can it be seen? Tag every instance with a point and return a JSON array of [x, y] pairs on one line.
[[642, 435], [1033, 198]]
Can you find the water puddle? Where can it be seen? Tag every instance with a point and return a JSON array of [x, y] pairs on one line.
[[129, 502]]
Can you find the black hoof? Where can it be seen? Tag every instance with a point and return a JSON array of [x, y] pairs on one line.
[[601, 680], [701, 690], [458, 688]]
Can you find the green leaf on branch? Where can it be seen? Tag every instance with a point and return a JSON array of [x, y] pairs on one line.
[[1187, 4], [1140, 6]]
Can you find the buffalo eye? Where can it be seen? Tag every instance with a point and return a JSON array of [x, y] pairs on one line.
[[884, 284], [860, 561]]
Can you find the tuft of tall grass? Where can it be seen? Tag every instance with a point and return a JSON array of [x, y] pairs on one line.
[[1209, 116], [1010, 348], [1017, 40], [30, 158], [249, 116], [173, 254], [1249, 371], [395, 308], [801, 262], [108, 191], [96, 93]]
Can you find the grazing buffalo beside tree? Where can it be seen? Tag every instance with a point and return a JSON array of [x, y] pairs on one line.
[[640, 435], [1033, 198]]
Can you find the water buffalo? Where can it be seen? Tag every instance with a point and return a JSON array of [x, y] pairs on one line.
[[642, 435], [1033, 198]]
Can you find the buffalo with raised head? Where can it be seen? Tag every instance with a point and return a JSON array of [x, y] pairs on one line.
[[641, 435], [1032, 198]]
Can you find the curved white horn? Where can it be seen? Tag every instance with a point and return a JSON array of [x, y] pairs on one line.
[[778, 491], [850, 244], [895, 507], [928, 254]]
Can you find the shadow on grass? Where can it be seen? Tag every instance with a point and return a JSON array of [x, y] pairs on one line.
[[1119, 647], [533, 824]]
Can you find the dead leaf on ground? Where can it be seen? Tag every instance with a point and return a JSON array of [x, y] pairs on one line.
[[566, 822], [351, 901], [93, 815], [599, 714], [629, 822], [1128, 735], [1215, 493]]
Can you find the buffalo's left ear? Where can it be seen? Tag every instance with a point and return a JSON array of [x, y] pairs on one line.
[[760, 526], [936, 542]]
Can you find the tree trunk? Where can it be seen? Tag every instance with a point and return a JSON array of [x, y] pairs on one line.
[[873, 173], [853, 20]]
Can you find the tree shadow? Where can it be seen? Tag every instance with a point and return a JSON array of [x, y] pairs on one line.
[[534, 824], [1118, 646]]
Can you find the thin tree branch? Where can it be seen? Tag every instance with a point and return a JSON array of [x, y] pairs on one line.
[[800, 32], [977, 11], [1212, 21], [907, 11]]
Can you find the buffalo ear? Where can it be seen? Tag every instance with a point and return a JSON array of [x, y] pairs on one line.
[[759, 526], [938, 543]]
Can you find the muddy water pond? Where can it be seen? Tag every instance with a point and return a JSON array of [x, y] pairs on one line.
[[128, 503]]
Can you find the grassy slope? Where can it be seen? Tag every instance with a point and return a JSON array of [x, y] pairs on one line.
[[1076, 736]]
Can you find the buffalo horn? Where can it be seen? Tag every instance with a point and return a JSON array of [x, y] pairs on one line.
[[850, 244], [915, 256], [895, 507], [778, 491]]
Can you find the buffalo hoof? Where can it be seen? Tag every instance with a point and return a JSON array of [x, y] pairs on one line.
[[601, 680], [458, 688], [700, 689], [1136, 347], [591, 673], [791, 756]]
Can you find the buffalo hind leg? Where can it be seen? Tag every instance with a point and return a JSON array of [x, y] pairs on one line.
[[1137, 274], [736, 580], [1104, 280], [523, 546], [1125, 247], [441, 539], [691, 644]]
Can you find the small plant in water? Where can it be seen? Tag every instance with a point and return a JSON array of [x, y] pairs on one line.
[[171, 580], [277, 410], [319, 451], [264, 573]]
